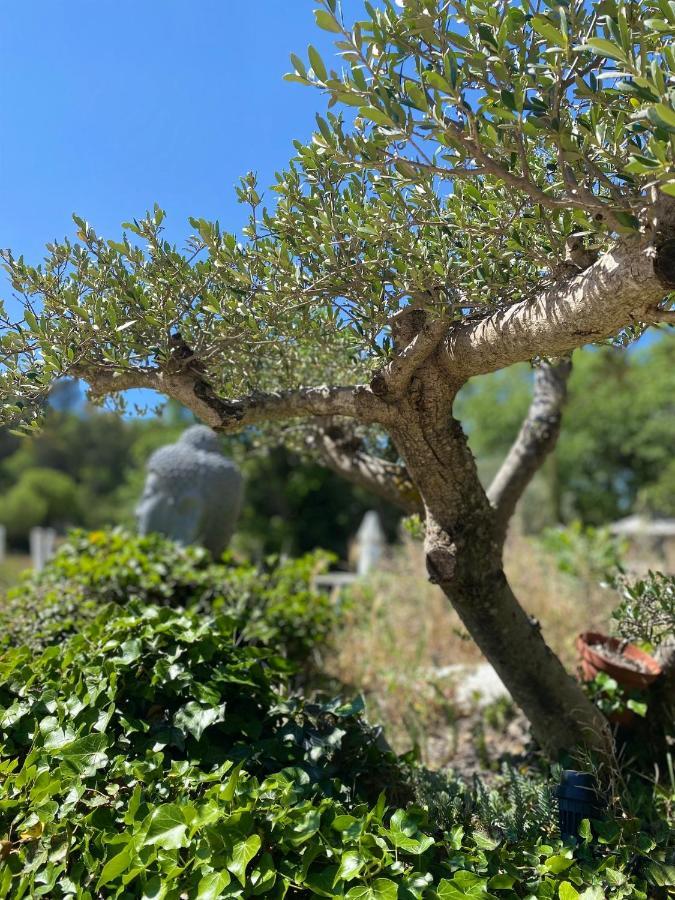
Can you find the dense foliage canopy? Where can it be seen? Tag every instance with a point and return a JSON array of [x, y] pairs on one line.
[[483, 135]]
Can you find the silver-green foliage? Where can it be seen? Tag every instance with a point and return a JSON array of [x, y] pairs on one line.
[[477, 137]]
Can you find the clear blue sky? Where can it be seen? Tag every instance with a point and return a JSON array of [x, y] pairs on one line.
[[109, 107]]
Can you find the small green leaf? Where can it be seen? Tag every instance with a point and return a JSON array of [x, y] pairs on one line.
[[435, 80], [375, 115], [115, 866], [547, 30], [604, 47], [463, 884], [640, 709], [566, 891], [380, 889], [326, 21], [558, 864], [317, 63], [195, 718], [212, 886], [298, 65], [501, 882], [86, 755], [585, 830], [351, 864], [167, 827], [242, 854], [662, 115], [627, 220]]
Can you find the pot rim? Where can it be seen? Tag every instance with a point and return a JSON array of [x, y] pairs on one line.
[[603, 663]]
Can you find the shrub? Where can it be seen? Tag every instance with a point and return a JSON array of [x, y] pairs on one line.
[[646, 614], [156, 754], [40, 497], [272, 605], [147, 717], [584, 551]]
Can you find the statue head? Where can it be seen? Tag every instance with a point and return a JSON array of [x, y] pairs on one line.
[[201, 437], [192, 493]]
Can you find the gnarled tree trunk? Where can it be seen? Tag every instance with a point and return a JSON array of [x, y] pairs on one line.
[[463, 546]]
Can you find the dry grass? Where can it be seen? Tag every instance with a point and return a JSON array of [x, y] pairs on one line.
[[564, 605], [400, 629]]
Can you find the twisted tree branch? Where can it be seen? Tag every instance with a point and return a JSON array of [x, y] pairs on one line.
[[191, 389], [418, 334], [536, 438], [624, 286], [344, 455]]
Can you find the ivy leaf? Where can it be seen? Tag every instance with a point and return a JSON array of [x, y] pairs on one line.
[[566, 891], [464, 884], [501, 882], [585, 830], [242, 854], [86, 755], [380, 889], [56, 737], [115, 866], [212, 886], [351, 864], [593, 893], [194, 718], [167, 827], [558, 864]]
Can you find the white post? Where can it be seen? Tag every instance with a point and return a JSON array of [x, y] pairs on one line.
[[36, 548], [48, 544], [42, 543], [370, 543]]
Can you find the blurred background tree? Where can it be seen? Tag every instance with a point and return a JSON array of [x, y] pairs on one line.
[[614, 454]]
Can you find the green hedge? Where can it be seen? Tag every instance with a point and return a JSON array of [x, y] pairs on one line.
[[160, 752], [155, 755], [272, 604]]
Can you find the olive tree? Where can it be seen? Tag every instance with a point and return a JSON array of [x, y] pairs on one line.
[[492, 183]]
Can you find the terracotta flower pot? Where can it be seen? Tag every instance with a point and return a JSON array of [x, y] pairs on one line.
[[593, 660]]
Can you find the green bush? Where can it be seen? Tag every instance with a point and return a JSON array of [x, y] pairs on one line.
[[646, 614], [584, 551], [151, 746], [273, 604], [157, 755], [40, 497]]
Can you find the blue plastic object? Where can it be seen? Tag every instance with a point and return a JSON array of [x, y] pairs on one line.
[[577, 799]]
